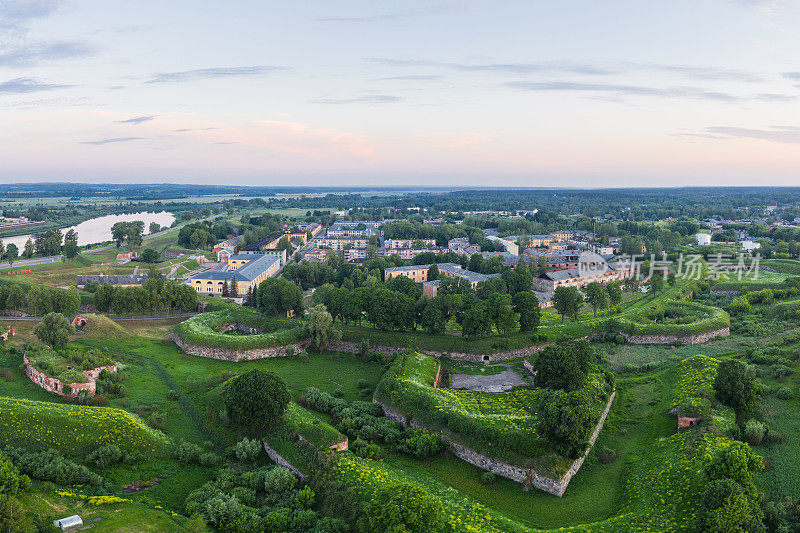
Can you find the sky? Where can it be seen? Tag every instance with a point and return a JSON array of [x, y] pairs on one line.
[[437, 92]]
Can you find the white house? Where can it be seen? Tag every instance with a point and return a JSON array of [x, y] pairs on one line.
[[703, 239], [749, 246]]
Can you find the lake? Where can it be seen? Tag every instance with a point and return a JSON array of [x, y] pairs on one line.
[[99, 229]]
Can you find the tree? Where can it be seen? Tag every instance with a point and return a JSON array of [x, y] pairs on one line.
[[319, 326], [71, 235], [234, 288], [16, 297], [71, 249], [530, 313], [12, 253], [564, 420], [501, 312], [630, 246], [54, 330], [277, 296], [433, 272], [11, 482], [564, 366], [614, 293], [28, 252], [149, 255], [432, 320], [567, 301], [225, 289], [656, 284], [104, 297], [256, 398], [2, 249], [736, 387], [475, 321], [13, 518], [732, 500], [155, 227], [596, 296], [402, 508], [118, 232]]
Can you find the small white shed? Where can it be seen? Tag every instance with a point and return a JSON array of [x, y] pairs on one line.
[[68, 522]]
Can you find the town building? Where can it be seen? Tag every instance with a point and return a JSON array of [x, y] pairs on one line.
[[510, 246], [580, 277], [248, 270], [419, 273], [396, 244], [703, 239]]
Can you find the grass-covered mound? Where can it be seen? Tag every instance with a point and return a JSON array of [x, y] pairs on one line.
[[312, 427], [67, 365], [694, 395], [102, 327], [75, 429], [672, 318], [662, 492], [206, 330], [500, 425]]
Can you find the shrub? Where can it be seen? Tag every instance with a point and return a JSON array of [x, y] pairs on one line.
[[754, 432], [785, 393], [172, 395], [487, 478], [50, 466], [110, 455], [607, 455], [423, 444], [157, 420], [11, 482], [247, 450], [403, 507]]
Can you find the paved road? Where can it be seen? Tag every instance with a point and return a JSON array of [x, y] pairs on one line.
[[35, 261]]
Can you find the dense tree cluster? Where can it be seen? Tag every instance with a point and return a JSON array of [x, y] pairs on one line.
[[255, 399], [157, 294], [39, 299]]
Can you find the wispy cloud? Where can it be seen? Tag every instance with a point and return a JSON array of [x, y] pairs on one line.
[[778, 134], [137, 120], [112, 140], [367, 99], [792, 75], [229, 142], [28, 85], [194, 129], [412, 78], [441, 9], [33, 53], [213, 73], [572, 67], [640, 90]]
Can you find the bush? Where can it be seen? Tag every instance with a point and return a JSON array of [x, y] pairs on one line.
[[404, 507], [110, 455], [157, 420], [247, 450], [785, 393], [488, 478], [423, 444], [607, 455], [754, 432], [50, 466]]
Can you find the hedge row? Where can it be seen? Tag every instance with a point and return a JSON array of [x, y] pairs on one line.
[[204, 330], [714, 319]]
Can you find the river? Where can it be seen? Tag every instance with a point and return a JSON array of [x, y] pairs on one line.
[[99, 229]]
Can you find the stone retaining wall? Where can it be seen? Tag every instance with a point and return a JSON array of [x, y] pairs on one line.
[[236, 355], [698, 338], [528, 476], [278, 459], [52, 384]]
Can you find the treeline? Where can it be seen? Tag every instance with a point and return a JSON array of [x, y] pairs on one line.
[[39, 299], [200, 235], [504, 304], [157, 294]]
